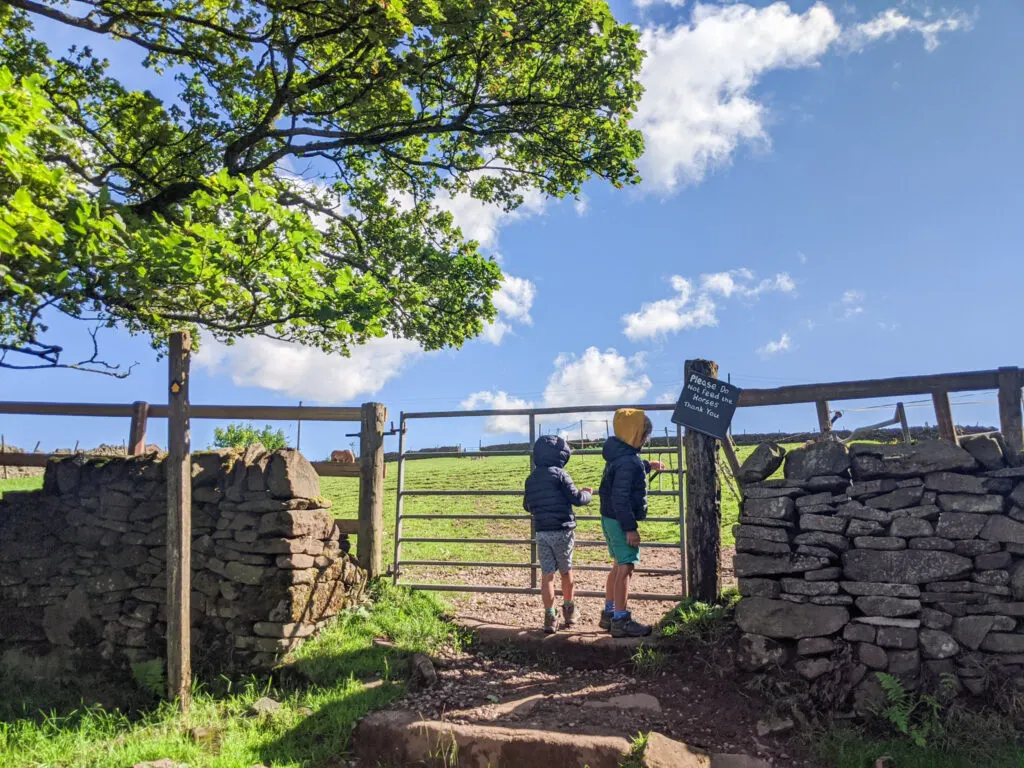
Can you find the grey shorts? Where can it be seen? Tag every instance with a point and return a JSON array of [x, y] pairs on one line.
[[554, 550]]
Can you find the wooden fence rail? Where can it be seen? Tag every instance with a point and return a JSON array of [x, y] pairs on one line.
[[369, 468]]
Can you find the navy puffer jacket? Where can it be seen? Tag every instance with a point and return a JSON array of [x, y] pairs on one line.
[[623, 488], [550, 492]]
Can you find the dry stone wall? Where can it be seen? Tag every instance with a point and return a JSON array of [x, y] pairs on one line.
[[903, 559], [83, 561]]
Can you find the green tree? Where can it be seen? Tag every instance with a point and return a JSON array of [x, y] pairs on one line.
[[241, 435], [287, 183]]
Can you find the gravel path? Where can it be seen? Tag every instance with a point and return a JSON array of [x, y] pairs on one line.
[[525, 610]]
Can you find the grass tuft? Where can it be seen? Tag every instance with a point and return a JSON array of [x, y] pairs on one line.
[[696, 621]]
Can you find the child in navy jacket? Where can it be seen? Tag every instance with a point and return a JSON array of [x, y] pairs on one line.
[[550, 497]]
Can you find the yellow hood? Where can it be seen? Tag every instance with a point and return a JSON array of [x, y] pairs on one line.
[[630, 426]]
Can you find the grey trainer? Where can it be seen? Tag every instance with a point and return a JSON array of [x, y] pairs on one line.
[[626, 627]]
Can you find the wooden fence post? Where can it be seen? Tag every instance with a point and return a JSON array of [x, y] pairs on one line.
[[703, 505], [944, 417], [137, 431], [179, 523], [371, 487], [824, 417], [901, 414], [1010, 408]]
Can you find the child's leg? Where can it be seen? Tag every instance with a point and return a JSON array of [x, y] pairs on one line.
[[547, 589], [568, 587], [623, 576], [609, 584]]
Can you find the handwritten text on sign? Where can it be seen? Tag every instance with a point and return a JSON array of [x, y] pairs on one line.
[[706, 405]]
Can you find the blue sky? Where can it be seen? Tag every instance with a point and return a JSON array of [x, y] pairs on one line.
[[830, 192]]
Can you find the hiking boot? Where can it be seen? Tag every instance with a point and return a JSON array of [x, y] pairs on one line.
[[606, 620], [569, 615], [549, 622], [626, 627]]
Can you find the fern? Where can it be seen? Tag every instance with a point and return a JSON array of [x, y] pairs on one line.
[[149, 675], [916, 717]]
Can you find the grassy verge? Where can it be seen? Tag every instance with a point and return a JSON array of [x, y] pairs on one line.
[[850, 748], [322, 693]]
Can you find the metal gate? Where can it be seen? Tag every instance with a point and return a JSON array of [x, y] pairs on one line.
[[532, 565]]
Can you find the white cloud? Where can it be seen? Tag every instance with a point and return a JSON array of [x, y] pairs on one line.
[[596, 377], [851, 304], [699, 77], [649, 3], [482, 221], [772, 348], [499, 425], [690, 309], [513, 300], [593, 378], [581, 204], [891, 22], [307, 373]]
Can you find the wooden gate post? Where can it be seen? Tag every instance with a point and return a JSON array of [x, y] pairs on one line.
[[703, 505], [371, 488], [1010, 408], [944, 417], [824, 417], [179, 523], [137, 431]]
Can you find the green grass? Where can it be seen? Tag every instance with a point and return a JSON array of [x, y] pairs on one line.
[[21, 484], [849, 748], [693, 620], [322, 695]]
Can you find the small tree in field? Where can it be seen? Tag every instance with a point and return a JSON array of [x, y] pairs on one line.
[[242, 435]]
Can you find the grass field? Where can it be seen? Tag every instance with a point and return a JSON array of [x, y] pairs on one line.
[[502, 473]]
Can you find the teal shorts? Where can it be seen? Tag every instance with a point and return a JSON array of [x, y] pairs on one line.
[[618, 547]]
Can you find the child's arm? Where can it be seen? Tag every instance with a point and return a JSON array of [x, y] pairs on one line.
[[576, 497], [526, 507]]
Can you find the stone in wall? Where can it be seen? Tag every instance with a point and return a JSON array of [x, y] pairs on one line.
[[906, 559], [82, 562]]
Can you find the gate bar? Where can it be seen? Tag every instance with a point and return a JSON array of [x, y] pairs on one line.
[[418, 540], [464, 564], [400, 495], [440, 492], [533, 591], [586, 518]]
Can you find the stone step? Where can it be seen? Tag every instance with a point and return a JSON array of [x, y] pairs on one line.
[[402, 738], [583, 649]]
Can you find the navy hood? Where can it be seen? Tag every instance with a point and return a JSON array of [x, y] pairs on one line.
[[614, 448], [551, 451]]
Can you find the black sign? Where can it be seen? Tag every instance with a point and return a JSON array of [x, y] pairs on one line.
[[706, 405]]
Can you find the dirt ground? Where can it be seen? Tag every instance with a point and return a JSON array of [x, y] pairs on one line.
[[695, 697], [526, 611]]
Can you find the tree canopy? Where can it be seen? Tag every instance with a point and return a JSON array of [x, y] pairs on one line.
[[285, 181]]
